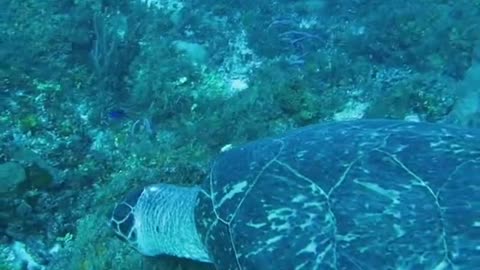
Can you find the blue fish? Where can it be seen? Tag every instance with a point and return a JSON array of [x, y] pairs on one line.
[[117, 114]]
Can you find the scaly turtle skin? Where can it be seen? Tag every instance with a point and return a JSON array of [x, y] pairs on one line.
[[370, 194]]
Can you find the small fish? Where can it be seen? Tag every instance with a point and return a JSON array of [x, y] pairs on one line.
[[117, 114]]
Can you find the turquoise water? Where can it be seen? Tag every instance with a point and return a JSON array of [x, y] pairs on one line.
[[99, 98]]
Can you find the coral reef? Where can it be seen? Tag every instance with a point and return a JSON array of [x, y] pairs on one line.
[[102, 97]]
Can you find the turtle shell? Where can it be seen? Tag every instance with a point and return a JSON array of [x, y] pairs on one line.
[[370, 194]]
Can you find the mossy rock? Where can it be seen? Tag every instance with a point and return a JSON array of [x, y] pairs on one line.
[[37, 178], [295, 100], [396, 105], [12, 175], [29, 123], [419, 95], [5, 267]]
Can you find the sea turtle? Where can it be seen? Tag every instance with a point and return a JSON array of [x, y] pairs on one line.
[[364, 194]]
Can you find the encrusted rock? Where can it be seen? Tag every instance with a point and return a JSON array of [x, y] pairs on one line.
[[11, 175]]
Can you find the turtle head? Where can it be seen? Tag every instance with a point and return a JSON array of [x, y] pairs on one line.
[[123, 219], [159, 220]]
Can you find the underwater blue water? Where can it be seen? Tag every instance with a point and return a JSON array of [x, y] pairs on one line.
[[102, 98]]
